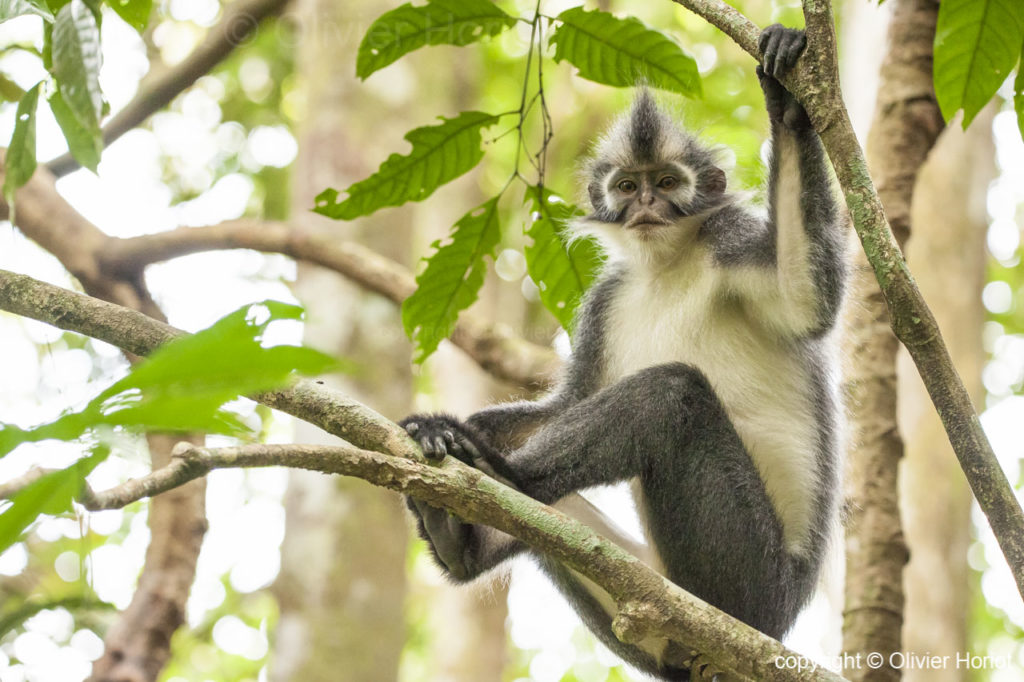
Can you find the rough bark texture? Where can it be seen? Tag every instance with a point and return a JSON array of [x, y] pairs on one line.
[[947, 252], [907, 121]]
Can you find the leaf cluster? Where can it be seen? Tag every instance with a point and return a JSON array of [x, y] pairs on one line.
[[183, 386], [603, 48]]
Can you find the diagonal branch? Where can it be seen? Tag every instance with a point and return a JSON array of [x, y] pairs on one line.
[[650, 605], [815, 82], [238, 23], [494, 347]]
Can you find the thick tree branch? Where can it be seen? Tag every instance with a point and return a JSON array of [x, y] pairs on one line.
[[815, 82], [651, 605], [494, 347], [234, 28]]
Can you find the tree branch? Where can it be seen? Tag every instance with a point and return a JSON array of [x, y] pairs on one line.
[[815, 82], [651, 605], [494, 347], [239, 21]]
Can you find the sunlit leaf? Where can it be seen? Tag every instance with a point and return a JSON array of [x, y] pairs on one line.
[[561, 271], [1018, 94], [439, 154], [977, 42], [623, 52], [439, 22], [85, 145], [184, 384], [19, 8], [76, 62], [452, 279], [51, 494], [20, 162], [134, 12]]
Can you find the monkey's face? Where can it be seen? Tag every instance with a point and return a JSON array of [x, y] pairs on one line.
[[648, 200]]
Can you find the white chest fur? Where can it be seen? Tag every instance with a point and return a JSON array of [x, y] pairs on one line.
[[683, 316]]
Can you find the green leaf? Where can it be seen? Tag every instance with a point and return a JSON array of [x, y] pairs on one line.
[[76, 62], [1018, 94], [439, 154], [439, 22], [20, 162], [51, 494], [977, 42], [183, 385], [562, 271], [19, 8], [452, 279], [623, 52], [134, 12], [85, 145]]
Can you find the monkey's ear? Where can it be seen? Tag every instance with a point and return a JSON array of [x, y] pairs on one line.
[[712, 182], [596, 196]]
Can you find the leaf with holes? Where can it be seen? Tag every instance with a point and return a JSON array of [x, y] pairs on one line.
[[623, 52], [20, 162], [977, 42], [85, 145], [562, 271], [439, 154], [439, 22], [10, 9], [452, 279], [76, 62], [134, 12]]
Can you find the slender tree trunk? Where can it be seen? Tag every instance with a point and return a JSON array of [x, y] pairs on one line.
[[342, 584], [907, 121], [947, 254]]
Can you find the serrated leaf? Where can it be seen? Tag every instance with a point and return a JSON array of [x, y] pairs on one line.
[[51, 494], [623, 52], [439, 154], [439, 22], [20, 162], [562, 272], [452, 279], [184, 384], [19, 8], [76, 62], [977, 42], [85, 145], [134, 12]]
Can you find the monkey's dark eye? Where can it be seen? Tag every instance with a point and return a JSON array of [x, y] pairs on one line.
[[667, 182], [627, 186]]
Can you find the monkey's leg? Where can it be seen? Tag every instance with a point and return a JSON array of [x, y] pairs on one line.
[[707, 510]]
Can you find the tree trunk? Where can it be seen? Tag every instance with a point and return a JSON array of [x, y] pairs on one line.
[[947, 255], [342, 585], [906, 123]]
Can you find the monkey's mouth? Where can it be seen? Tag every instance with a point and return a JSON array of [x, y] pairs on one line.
[[646, 223]]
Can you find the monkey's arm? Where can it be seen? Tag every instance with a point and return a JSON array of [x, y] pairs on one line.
[[797, 289]]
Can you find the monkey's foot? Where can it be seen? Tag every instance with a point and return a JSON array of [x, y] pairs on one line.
[[449, 538]]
